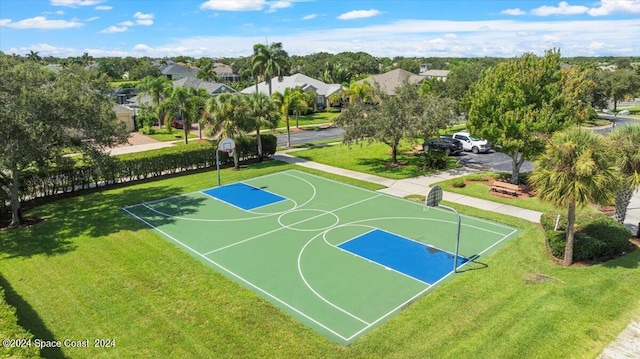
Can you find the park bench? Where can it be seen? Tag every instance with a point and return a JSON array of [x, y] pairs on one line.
[[505, 187]]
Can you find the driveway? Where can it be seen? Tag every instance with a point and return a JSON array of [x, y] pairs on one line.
[[300, 137], [492, 161]]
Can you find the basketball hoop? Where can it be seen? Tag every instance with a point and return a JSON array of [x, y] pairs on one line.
[[226, 145]]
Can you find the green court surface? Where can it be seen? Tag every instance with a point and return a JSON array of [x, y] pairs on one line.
[[340, 259]]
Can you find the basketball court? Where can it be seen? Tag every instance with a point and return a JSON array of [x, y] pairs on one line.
[[338, 258]]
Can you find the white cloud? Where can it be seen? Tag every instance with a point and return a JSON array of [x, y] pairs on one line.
[[277, 5], [615, 6], [75, 3], [358, 14], [41, 22], [92, 19], [104, 7], [563, 8], [226, 5], [309, 17], [114, 29], [143, 19], [514, 12]]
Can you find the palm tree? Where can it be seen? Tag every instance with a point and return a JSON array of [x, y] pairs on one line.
[[576, 169], [625, 140], [207, 73], [227, 115], [359, 92], [268, 62], [290, 100], [186, 104], [33, 56], [158, 89], [262, 112]]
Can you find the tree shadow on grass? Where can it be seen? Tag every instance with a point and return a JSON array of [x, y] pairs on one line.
[[93, 215], [29, 319]]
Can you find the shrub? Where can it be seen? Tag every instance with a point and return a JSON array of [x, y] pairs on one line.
[[434, 160], [457, 183], [478, 177], [601, 237]]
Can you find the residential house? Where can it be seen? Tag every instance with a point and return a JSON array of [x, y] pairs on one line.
[[306, 83], [436, 74], [389, 81], [212, 88], [126, 115], [178, 71], [225, 73]]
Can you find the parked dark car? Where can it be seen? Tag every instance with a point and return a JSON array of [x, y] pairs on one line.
[[443, 143], [177, 122]]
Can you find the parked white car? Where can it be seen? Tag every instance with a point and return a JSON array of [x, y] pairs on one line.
[[470, 143]]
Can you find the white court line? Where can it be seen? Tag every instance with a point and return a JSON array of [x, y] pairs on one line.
[[239, 277], [318, 294], [292, 224], [403, 199]]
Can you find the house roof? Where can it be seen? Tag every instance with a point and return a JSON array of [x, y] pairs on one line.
[[174, 69], [298, 80], [388, 81], [122, 109], [435, 73], [210, 87]]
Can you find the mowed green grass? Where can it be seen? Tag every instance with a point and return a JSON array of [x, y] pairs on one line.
[[90, 271], [372, 158], [162, 134]]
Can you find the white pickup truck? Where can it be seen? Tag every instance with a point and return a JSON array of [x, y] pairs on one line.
[[470, 143]]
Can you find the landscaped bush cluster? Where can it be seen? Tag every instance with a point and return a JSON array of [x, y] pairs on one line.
[[458, 183], [434, 160], [477, 177], [72, 177], [9, 329], [597, 236]]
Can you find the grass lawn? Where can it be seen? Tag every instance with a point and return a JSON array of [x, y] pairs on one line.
[[90, 271], [312, 119], [373, 159], [162, 134]]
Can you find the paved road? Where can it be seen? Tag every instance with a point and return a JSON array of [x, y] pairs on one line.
[[301, 137]]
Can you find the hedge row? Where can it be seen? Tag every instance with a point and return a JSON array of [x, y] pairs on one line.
[[69, 177], [597, 237], [9, 329]]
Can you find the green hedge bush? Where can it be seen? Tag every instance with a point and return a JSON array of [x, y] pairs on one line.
[[74, 176], [9, 329], [434, 160], [597, 238]]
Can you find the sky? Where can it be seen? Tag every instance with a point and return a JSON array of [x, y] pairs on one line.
[[383, 28]]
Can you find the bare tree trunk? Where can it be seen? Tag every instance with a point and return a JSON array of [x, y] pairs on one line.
[[288, 132], [516, 164], [236, 162], [394, 154], [568, 249], [623, 198], [16, 215], [259, 142]]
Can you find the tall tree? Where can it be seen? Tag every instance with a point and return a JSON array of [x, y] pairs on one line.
[[185, 103], [34, 56], [520, 102], [42, 114], [394, 117], [227, 114], [287, 102], [158, 88], [625, 142], [268, 62], [359, 92], [261, 113], [576, 169]]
